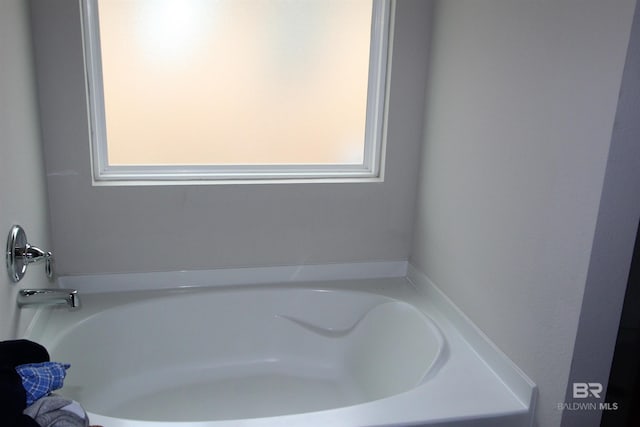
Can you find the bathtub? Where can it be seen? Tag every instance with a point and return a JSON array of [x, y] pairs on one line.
[[372, 352]]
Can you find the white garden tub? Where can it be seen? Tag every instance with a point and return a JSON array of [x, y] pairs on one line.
[[325, 354]]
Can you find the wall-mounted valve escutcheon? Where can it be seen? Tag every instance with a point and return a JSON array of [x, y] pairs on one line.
[[20, 254]]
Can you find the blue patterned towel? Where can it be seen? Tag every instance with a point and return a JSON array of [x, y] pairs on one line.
[[40, 379]]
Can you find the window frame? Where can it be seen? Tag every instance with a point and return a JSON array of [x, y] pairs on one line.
[[371, 169]]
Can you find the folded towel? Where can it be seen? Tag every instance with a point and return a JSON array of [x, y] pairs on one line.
[[57, 411], [40, 379]]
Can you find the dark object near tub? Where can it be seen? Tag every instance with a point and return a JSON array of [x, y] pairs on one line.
[[20, 352], [13, 398]]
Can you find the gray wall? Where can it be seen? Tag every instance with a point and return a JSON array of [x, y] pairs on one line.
[[22, 183], [613, 243], [129, 229], [521, 104]]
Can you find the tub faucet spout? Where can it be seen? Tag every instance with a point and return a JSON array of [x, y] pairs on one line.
[[37, 297]]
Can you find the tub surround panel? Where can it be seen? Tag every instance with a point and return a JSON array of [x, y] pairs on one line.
[[23, 198]]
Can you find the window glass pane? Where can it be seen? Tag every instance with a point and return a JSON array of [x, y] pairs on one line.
[[223, 82]]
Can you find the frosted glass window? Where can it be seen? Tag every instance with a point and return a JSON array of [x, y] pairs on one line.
[[217, 89]]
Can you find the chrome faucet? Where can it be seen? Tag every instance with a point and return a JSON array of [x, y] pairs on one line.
[[36, 297]]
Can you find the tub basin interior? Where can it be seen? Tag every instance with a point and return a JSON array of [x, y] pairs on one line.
[[212, 355]]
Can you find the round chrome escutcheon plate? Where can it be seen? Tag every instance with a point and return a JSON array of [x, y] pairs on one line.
[[16, 262]]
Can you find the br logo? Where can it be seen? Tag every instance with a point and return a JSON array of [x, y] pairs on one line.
[[584, 390]]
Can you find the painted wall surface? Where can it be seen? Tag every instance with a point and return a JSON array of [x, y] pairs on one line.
[[22, 182], [137, 229], [613, 244], [521, 104]]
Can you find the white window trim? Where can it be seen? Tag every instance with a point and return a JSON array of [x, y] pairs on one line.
[[372, 168]]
